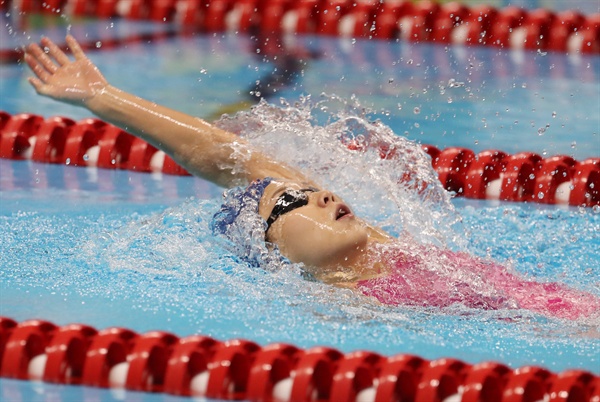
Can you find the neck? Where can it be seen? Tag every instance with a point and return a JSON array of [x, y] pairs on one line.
[[361, 263]]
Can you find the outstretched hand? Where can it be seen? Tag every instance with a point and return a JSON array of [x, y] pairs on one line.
[[57, 76]]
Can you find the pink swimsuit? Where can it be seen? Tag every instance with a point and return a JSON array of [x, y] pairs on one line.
[[464, 279]]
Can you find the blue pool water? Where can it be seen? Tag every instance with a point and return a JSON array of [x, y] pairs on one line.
[[118, 248]]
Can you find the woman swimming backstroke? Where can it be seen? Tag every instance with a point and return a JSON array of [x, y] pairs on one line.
[[298, 218]]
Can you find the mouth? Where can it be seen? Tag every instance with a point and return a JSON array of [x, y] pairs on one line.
[[343, 211]]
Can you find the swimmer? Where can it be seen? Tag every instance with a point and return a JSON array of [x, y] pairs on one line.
[[296, 217]]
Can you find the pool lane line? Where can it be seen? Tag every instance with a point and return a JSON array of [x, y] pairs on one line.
[[425, 21], [200, 366], [488, 175]]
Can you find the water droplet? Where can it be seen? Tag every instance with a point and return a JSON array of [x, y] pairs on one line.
[[574, 144], [417, 110], [553, 115], [450, 100], [98, 44], [86, 157], [540, 195], [68, 161]]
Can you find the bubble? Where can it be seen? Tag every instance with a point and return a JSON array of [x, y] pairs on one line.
[[416, 110]]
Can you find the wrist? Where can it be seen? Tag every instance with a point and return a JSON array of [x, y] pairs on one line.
[[109, 103]]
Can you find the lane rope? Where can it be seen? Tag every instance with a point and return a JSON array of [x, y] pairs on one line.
[[158, 361], [490, 174], [423, 21]]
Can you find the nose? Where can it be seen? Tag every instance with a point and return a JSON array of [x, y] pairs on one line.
[[324, 197]]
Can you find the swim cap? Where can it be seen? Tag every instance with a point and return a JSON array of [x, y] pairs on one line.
[[239, 222]]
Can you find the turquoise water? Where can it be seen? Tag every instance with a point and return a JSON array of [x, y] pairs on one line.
[[117, 248]]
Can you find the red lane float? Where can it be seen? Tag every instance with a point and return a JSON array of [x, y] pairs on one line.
[[88, 142], [240, 369], [490, 174], [451, 22], [108, 350], [525, 176]]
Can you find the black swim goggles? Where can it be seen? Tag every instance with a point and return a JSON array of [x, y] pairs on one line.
[[288, 201]]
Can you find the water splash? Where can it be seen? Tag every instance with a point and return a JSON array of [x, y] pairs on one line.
[[386, 179]]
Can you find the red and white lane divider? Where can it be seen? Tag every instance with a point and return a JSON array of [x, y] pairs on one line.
[[492, 174], [89, 142], [158, 361], [456, 23], [524, 177]]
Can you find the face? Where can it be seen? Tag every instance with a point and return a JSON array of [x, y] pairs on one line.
[[311, 226]]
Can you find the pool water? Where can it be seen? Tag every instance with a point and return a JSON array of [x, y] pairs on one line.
[[119, 248]]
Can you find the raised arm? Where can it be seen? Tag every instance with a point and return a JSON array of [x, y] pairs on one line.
[[201, 148]]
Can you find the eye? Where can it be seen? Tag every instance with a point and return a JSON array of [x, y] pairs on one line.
[[291, 196], [288, 201]]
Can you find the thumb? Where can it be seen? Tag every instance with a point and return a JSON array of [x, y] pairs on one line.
[[38, 85]]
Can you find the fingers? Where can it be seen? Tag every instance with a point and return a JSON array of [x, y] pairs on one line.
[[55, 52], [41, 57], [36, 67], [38, 85], [75, 48]]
